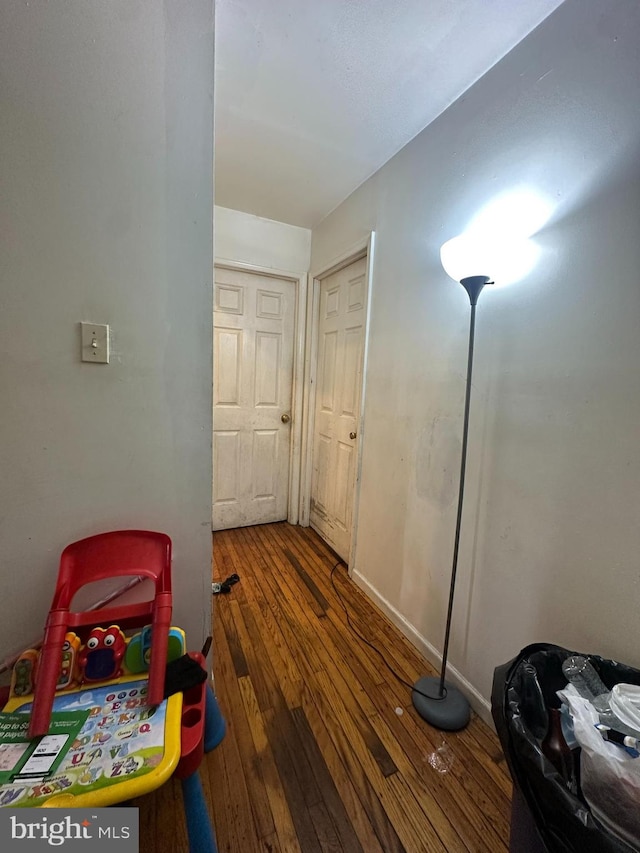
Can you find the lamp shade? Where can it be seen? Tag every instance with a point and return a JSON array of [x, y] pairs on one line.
[[466, 256], [505, 261]]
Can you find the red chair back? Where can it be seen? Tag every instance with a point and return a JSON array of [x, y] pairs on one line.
[[120, 553], [107, 555]]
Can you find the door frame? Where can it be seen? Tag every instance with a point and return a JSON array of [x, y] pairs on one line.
[[363, 248], [299, 280]]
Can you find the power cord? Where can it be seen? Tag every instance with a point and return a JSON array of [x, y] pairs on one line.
[[225, 586], [381, 655]]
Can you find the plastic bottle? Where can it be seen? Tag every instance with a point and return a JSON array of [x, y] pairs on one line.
[[532, 700], [581, 673], [555, 747]]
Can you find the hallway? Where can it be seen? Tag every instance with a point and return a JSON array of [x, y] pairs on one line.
[[324, 750]]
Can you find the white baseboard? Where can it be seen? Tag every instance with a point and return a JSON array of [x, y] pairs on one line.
[[480, 705]]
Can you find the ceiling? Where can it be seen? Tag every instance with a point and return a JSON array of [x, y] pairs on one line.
[[313, 96]]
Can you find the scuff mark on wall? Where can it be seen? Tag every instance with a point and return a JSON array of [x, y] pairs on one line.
[[437, 453]]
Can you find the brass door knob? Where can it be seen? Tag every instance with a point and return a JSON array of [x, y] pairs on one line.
[[285, 419], [352, 435]]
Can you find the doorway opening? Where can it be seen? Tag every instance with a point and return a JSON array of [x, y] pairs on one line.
[[290, 355]]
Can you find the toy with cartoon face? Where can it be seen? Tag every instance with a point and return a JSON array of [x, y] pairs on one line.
[[100, 657]]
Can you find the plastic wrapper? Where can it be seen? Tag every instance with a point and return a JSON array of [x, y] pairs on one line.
[[523, 690], [609, 775], [625, 704]]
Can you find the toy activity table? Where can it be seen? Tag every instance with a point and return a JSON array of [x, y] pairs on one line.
[[133, 739], [125, 748]]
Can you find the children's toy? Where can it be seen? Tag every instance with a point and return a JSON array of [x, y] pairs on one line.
[[133, 739], [106, 655], [23, 677], [25, 669], [125, 748], [68, 665], [100, 657], [139, 649], [107, 555]]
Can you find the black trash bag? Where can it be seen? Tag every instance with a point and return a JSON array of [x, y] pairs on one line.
[[523, 690]]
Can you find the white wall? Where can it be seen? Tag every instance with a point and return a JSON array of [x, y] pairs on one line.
[[248, 239], [551, 532], [106, 212]]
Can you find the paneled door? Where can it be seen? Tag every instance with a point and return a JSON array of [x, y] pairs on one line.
[[252, 392], [337, 405]]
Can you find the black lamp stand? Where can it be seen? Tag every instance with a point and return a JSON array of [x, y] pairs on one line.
[[437, 702]]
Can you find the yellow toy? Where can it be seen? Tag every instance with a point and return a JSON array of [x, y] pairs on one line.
[[23, 677], [68, 667]]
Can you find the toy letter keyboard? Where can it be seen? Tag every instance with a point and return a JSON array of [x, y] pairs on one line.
[[126, 747]]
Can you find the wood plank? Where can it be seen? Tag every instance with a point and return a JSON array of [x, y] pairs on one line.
[[320, 600], [230, 697], [353, 695], [283, 822], [415, 835], [489, 761], [169, 812], [316, 724], [370, 739], [330, 796], [234, 799], [437, 772], [282, 673], [325, 830], [244, 797], [272, 628], [233, 615], [295, 796], [486, 749], [238, 658], [340, 746], [288, 606], [477, 793], [271, 844], [364, 810], [298, 781], [380, 632]]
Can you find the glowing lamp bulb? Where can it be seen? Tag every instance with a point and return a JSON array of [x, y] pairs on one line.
[[504, 261]]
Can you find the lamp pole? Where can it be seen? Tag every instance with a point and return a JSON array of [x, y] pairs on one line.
[[446, 708]]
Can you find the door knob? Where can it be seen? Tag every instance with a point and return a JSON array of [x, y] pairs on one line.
[[352, 435], [285, 419]]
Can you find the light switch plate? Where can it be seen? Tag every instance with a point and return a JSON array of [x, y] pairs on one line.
[[95, 343]]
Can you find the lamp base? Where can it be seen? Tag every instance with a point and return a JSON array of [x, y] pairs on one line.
[[450, 713]]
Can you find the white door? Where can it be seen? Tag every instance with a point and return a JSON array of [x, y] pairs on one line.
[[252, 390], [339, 379]]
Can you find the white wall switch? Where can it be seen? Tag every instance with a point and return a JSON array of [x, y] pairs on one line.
[[95, 343]]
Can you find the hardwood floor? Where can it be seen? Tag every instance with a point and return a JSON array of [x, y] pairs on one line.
[[324, 751]]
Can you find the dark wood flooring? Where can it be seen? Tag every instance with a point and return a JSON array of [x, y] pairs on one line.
[[324, 751]]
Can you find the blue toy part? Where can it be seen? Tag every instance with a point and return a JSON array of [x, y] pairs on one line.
[[214, 724], [139, 649], [202, 838]]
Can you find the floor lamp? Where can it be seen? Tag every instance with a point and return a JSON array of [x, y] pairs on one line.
[[437, 702]]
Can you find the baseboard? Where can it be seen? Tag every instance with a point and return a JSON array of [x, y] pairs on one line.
[[480, 705]]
